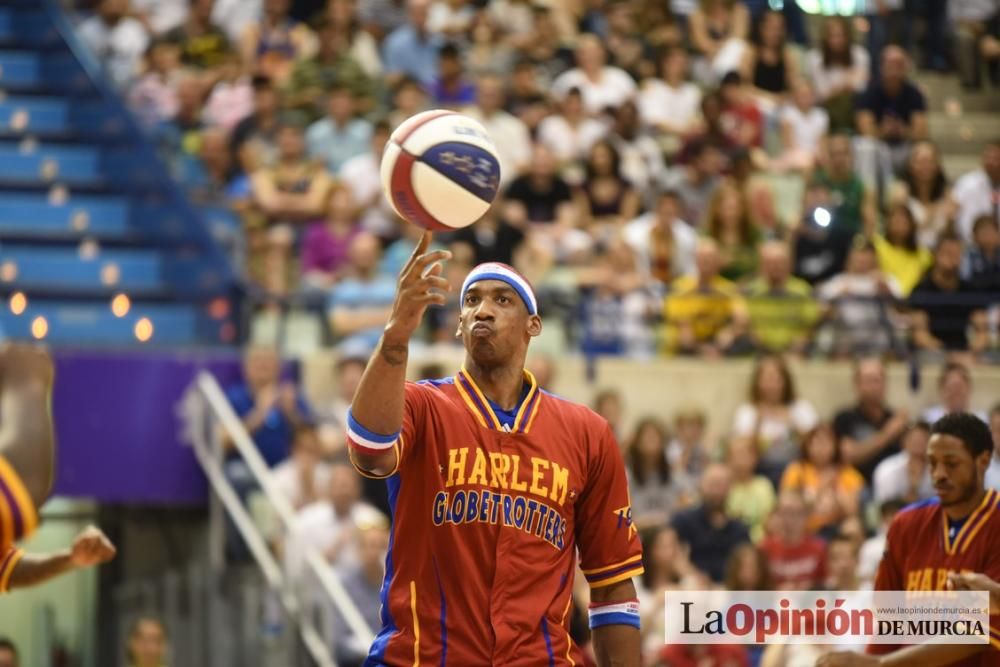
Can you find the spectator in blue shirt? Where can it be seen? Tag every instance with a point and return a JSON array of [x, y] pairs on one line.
[[340, 136], [270, 408], [412, 50], [451, 89], [359, 305]]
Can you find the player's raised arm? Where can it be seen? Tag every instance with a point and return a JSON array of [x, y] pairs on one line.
[[376, 415]]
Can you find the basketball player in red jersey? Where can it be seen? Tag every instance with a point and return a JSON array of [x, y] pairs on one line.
[[495, 485], [932, 542], [27, 448]]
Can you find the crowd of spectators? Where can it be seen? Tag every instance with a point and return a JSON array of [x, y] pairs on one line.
[[651, 154], [787, 495], [648, 149]]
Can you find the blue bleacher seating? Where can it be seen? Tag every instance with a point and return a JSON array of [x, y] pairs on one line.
[[86, 209]]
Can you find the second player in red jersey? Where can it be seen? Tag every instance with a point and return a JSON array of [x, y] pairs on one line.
[[929, 541], [495, 487]]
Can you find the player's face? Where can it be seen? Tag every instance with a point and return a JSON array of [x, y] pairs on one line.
[[495, 324], [7, 658], [956, 475]]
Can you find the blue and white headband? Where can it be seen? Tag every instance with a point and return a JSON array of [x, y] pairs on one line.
[[506, 274]]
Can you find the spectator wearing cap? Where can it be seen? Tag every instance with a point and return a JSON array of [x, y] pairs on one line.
[[411, 49], [602, 86], [340, 135], [450, 89], [948, 312], [782, 311]]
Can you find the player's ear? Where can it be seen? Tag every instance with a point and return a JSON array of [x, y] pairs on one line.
[[534, 325], [458, 328]]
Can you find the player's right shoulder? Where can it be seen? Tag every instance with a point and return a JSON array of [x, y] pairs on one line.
[[915, 514]]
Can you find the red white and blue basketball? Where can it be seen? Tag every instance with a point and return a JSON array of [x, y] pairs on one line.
[[440, 170]]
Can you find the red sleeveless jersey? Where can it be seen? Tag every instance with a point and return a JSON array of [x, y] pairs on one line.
[[921, 551], [486, 525]]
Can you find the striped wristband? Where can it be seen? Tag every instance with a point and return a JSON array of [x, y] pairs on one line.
[[623, 612], [364, 441]]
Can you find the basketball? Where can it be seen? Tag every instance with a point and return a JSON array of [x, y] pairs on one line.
[[440, 170]]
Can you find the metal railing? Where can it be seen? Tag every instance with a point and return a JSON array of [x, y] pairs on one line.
[[218, 417]]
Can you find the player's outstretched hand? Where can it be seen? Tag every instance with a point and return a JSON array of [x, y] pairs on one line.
[[92, 547], [976, 581], [420, 284], [25, 364]]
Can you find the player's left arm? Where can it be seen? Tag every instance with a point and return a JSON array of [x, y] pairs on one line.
[[618, 643], [610, 554], [18, 570]]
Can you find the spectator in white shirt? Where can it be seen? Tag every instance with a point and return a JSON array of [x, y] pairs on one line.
[[993, 472], [302, 477], [571, 133], [978, 193], [329, 526], [509, 133], [905, 475], [873, 548], [804, 127], [118, 41], [671, 103], [160, 16], [839, 70], [664, 244], [602, 86]]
